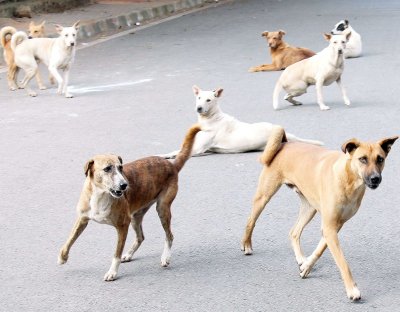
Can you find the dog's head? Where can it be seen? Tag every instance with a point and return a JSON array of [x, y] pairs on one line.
[[68, 34], [338, 42], [340, 27], [274, 38], [368, 159], [36, 31], [206, 101], [105, 174]]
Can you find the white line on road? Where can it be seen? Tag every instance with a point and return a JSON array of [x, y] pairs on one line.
[[101, 88]]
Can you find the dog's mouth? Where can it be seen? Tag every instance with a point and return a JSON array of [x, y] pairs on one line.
[[116, 193], [372, 186]]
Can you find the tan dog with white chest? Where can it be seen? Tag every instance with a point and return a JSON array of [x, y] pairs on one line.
[[282, 54], [330, 182], [121, 195]]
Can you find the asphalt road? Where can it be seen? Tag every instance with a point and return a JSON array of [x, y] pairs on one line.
[[134, 98]]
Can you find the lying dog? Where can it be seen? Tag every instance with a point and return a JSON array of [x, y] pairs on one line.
[[354, 45], [121, 195], [282, 54], [320, 70], [222, 133], [55, 53], [330, 182], [35, 31]]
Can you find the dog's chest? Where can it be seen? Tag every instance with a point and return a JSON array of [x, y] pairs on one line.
[[100, 208]]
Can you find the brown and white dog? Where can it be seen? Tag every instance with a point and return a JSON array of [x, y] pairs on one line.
[[330, 182], [282, 54], [120, 195]]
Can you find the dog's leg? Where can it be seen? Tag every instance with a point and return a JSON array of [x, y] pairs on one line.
[[65, 84], [309, 262], [289, 97], [318, 86], [136, 223], [39, 81], [12, 77], [264, 67], [268, 185], [342, 88], [330, 233], [53, 71], [122, 230], [307, 212], [29, 74], [77, 230]]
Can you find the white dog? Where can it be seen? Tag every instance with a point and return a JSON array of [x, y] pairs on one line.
[[320, 70], [354, 46], [222, 133], [56, 53]]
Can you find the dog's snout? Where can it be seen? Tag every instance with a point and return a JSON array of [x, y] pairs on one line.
[[29, 37], [199, 109], [72, 44], [123, 185], [376, 179]]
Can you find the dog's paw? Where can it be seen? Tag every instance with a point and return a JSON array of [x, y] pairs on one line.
[[42, 87], [32, 94], [111, 275], [68, 95], [127, 258], [246, 248], [324, 107], [62, 258], [253, 70], [347, 102], [354, 293], [305, 268], [165, 261]]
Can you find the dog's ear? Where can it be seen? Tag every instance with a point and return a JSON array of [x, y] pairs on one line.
[[76, 25], [196, 90], [350, 146], [120, 159], [346, 22], [218, 92], [59, 28], [42, 24], [327, 37], [88, 167], [387, 143], [348, 36], [264, 34], [31, 24], [282, 32]]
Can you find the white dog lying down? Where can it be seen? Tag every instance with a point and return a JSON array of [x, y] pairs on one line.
[[222, 133], [56, 53], [354, 46], [320, 70]]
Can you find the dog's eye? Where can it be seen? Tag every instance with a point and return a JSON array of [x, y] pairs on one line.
[[334, 42], [66, 35], [343, 41], [73, 35], [363, 160], [199, 97], [380, 159], [107, 169], [208, 100], [274, 38], [35, 31]]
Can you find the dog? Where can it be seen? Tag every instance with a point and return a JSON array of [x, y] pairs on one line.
[[282, 54], [55, 53], [120, 195], [222, 133], [354, 45], [330, 182], [320, 70]]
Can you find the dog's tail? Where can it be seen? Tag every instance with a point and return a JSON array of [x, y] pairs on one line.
[[17, 38], [6, 33], [274, 144], [277, 91], [293, 138], [186, 149]]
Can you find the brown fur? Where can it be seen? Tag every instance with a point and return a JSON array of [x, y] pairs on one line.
[[282, 54], [150, 180], [330, 182]]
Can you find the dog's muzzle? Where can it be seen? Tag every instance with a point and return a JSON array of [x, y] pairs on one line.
[[373, 181], [199, 109], [119, 192]]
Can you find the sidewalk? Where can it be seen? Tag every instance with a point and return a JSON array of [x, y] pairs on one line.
[[107, 17]]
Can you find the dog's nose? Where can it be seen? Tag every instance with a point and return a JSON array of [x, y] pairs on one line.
[[72, 44], [199, 109], [29, 37], [123, 186], [376, 179]]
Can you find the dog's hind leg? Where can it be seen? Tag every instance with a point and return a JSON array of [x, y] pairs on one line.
[[12, 77], [289, 97], [39, 81], [29, 74], [307, 212], [268, 185], [342, 88], [122, 230], [77, 230], [136, 223]]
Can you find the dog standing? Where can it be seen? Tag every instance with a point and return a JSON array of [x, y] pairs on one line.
[[330, 182], [354, 45], [282, 54], [320, 70], [55, 53], [121, 195], [222, 133]]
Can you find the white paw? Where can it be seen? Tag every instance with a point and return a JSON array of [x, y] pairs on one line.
[[306, 267], [32, 94], [127, 258], [347, 102], [111, 275], [61, 261], [68, 95], [166, 258], [248, 250], [354, 294], [42, 87], [324, 107]]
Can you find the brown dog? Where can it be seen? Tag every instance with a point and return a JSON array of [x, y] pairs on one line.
[[282, 54], [121, 195], [330, 182]]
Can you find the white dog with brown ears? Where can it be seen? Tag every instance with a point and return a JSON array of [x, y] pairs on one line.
[[320, 70], [222, 133], [354, 46], [55, 53]]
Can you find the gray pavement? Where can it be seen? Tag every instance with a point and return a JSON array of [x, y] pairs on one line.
[[134, 98]]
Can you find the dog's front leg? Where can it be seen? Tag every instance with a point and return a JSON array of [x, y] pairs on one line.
[[78, 228], [342, 88], [54, 72], [318, 85], [330, 233], [65, 86], [113, 271]]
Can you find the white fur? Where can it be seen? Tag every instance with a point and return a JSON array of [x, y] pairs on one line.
[[166, 255], [320, 70], [112, 272], [100, 206], [222, 133], [354, 45], [55, 53]]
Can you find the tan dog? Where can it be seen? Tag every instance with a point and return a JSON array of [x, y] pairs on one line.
[[34, 31], [330, 182], [121, 195], [282, 54]]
